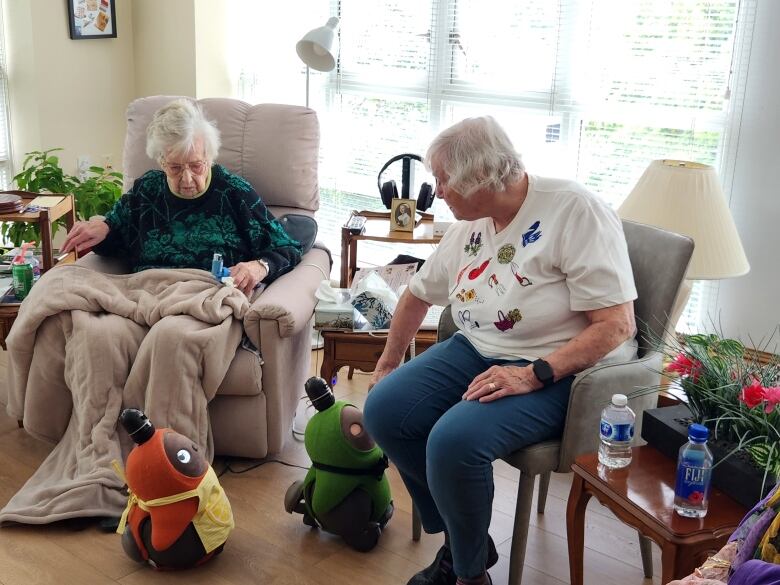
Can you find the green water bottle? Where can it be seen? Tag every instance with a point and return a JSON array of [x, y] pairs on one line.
[[22, 275]]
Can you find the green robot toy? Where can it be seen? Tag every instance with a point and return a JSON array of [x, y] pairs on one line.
[[345, 491]]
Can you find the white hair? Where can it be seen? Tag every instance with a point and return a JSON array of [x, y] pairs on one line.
[[476, 154], [176, 127]]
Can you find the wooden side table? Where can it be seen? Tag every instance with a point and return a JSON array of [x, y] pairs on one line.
[[378, 230], [642, 496], [361, 350], [44, 218]]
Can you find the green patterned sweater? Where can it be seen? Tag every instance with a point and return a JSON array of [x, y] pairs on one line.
[[153, 228]]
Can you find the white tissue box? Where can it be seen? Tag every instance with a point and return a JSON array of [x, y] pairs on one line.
[[336, 315]]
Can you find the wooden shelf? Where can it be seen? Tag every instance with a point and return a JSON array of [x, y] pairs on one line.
[[377, 229], [44, 218]]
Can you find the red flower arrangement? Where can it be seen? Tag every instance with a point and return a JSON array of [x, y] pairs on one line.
[[731, 392], [682, 365], [756, 394]]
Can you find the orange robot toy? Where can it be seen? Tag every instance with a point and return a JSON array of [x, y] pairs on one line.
[[177, 513]]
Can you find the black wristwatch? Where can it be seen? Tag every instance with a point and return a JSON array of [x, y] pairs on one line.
[[543, 372]]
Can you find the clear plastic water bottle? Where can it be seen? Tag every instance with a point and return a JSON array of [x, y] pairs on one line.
[[30, 259], [694, 471], [617, 431]]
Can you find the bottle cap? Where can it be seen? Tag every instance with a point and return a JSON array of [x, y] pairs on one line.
[[698, 432], [619, 399]]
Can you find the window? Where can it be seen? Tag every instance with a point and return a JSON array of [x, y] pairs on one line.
[[5, 140], [591, 89]]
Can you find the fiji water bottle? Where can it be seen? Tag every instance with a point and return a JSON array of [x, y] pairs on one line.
[[617, 431], [694, 470]]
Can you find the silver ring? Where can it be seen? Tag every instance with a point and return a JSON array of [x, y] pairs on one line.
[[492, 386]]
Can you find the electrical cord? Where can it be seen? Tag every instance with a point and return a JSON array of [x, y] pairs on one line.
[[229, 468], [297, 432], [322, 271]]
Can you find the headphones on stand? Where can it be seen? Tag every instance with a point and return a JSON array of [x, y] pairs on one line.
[[389, 191]]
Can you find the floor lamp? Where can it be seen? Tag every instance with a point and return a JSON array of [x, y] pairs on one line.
[[314, 49], [686, 198]]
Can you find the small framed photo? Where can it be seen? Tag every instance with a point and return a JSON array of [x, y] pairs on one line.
[[402, 216], [92, 19]]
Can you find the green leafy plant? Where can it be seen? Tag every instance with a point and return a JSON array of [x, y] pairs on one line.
[[41, 173], [97, 194]]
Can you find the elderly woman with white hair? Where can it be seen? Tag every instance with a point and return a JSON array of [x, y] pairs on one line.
[[540, 285], [180, 216]]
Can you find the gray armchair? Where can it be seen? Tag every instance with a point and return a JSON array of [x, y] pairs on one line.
[[275, 147], [659, 260]]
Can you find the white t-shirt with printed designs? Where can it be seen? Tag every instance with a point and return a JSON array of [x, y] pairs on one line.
[[521, 293]]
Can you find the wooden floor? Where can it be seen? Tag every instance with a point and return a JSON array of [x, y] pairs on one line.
[[270, 547]]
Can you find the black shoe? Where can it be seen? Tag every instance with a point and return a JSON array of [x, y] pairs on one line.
[[440, 572], [489, 578]]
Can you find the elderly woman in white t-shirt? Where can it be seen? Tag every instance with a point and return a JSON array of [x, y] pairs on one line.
[[537, 274]]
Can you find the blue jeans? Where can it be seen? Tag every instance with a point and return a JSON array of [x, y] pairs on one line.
[[444, 446]]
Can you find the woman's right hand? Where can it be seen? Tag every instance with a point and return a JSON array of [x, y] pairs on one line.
[[380, 372], [85, 234]]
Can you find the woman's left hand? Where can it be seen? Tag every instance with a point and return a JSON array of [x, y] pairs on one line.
[[247, 275], [499, 381]]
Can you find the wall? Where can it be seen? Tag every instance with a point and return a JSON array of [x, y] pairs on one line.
[[212, 71], [749, 306], [180, 48], [164, 55], [66, 93], [73, 94]]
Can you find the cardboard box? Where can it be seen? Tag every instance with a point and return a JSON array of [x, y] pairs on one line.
[[339, 316]]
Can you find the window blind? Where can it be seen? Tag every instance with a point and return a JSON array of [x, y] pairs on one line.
[[5, 140], [588, 89]]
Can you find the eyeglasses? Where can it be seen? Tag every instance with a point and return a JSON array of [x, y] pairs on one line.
[[441, 183], [197, 167]]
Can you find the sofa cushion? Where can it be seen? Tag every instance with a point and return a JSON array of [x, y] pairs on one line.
[[272, 146]]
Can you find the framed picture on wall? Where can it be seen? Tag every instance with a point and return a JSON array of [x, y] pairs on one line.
[[402, 215], [92, 19]]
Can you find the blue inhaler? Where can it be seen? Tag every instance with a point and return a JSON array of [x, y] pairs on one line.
[[217, 269]]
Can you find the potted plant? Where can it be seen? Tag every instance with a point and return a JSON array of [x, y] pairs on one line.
[[737, 396], [41, 173]]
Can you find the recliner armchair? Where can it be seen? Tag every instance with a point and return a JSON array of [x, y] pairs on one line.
[[275, 147], [659, 260]]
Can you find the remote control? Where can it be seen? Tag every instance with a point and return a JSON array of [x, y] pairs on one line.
[[356, 224]]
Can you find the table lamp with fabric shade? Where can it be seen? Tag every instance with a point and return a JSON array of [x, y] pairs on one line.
[[686, 197], [314, 49]]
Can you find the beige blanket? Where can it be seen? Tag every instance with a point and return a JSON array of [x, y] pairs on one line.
[[86, 345]]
